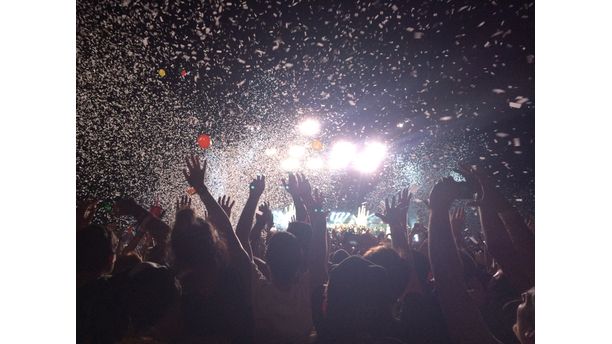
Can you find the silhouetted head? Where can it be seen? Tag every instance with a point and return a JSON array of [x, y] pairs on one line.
[[95, 250], [283, 256], [358, 299], [149, 292], [195, 245], [397, 268]]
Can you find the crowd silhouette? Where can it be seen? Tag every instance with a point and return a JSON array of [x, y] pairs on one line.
[[204, 280]]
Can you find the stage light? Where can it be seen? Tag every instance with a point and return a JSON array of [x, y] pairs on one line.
[[283, 216], [341, 155], [297, 151], [370, 157], [271, 151], [314, 164], [309, 127], [290, 164]]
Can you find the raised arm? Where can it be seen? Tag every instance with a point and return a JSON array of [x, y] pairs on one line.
[[516, 267], [458, 225], [317, 257], [194, 174], [293, 187], [243, 229], [465, 323], [395, 213], [227, 204], [263, 221], [147, 222], [522, 238]]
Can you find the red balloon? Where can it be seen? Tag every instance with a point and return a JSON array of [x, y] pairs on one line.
[[204, 141]]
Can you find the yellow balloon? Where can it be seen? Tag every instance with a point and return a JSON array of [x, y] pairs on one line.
[[162, 72]]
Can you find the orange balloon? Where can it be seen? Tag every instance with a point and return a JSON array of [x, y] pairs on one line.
[[316, 145], [204, 141]]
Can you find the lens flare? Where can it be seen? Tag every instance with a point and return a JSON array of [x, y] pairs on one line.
[[290, 164], [314, 164], [309, 127], [370, 158], [297, 151], [341, 155]]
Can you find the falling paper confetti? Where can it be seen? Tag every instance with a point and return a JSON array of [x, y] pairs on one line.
[[412, 76]]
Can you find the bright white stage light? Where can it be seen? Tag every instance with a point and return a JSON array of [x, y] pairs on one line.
[[314, 164], [341, 155], [271, 151], [290, 164], [370, 157], [283, 216], [297, 151], [309, 127]]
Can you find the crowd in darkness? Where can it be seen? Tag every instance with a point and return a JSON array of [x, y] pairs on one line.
[[207, 280]]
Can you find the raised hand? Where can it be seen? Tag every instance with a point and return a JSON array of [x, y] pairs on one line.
[[443, 194], [227, 204], [195, 173], [315, 208], [487, 194], [264, 216], [183, 202], [396, 208], [292, 185], [304, 190], [257, 186]]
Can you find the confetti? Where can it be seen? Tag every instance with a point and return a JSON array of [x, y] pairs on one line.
[[420, 80]]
